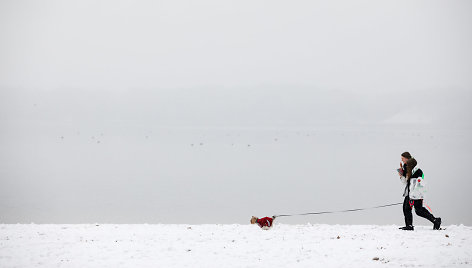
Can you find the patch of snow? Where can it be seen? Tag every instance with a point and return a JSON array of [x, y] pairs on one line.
[[162, 245]]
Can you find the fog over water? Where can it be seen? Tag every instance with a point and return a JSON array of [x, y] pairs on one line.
[[178, 112]]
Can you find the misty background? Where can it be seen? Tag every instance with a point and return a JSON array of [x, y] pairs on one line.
[[214, 111]]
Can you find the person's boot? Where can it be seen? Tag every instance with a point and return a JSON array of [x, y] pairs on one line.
[[407, 228], [437, 224]]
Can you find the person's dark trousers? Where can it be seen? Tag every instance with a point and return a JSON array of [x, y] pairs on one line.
[[419, 209]]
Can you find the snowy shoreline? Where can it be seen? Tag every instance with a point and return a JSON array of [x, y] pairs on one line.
[[212, 245]]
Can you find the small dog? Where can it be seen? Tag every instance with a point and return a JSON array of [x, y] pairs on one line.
[[265, 223]]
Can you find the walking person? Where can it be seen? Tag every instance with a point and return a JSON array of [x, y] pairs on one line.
[[413, 178]]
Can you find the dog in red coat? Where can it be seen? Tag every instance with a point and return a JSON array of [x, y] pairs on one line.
[[265, 223]]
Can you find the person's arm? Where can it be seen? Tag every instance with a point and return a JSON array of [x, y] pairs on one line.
[[402, 171], [403, 174], [403, 179]]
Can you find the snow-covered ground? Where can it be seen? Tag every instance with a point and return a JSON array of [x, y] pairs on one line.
[[161, 245]]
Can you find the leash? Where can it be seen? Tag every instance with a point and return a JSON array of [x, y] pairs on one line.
[[337, 211]]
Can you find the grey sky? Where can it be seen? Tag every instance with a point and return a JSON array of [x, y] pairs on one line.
[[354, 45], [211, 111]]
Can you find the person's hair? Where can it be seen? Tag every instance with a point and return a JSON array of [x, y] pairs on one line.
[[253, 220], [407, 155], [410, 164]]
